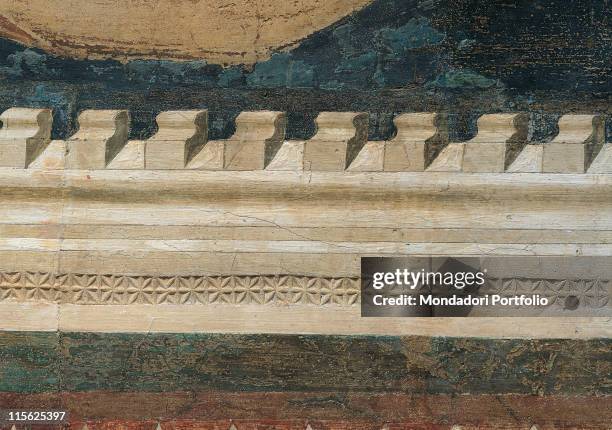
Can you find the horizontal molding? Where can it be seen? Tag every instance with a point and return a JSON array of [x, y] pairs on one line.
[[181, 222], [29, 316], [391, 200], [317, 320], [306, 234], [288, 319], [239, 263], [128, 246]]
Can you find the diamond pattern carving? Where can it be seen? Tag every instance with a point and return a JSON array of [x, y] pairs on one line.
[[93, 289]]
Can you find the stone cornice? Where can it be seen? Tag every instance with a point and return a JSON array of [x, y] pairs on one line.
[[151, 228]]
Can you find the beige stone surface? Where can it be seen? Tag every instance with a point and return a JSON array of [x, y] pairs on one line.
[[101, 136], [603, 161], [569, 151], [563, 157], [129, 233], [180, 136], [290, 156], [371, 158], [53, 157], [484, 156], [579, 129], [25, 133], [181, 222], [362, 234], [407, 151], [529, 160], [316, 320], [210, 157], [29, 316], [258, 137], [580, 142], [218, 31], [486, 152], [339, 138], [450, 159], [132, 156]]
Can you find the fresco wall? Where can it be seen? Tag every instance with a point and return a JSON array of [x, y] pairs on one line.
[[546, 57], [227, 298]]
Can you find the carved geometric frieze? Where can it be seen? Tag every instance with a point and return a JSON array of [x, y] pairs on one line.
[[123, 290], [108, 289]]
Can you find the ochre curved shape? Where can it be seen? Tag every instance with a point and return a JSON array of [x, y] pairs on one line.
[[218, 31]]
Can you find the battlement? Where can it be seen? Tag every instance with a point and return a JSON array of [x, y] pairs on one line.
[[340, 143]]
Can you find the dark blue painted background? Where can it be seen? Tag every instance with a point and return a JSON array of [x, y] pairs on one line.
[[464, 57]]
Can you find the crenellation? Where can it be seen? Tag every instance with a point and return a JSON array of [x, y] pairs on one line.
[[339, 138], [575, 129], [101, 136], [417, 135], [488, 150], [498, 134], [580, 137], [24, 135], [180, 136], [579, 142], [340, 144], [258, 137]]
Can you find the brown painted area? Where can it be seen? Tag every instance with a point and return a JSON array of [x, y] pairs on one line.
[[218, 31], [199, 362], [250, 425], [214, 409], [11, 31]]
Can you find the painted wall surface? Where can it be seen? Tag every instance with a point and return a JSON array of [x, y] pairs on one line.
[[465, 57], [384, 57], [41, 362], [200, 381]]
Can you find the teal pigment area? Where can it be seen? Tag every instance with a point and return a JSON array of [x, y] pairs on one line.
[[53, 362]]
